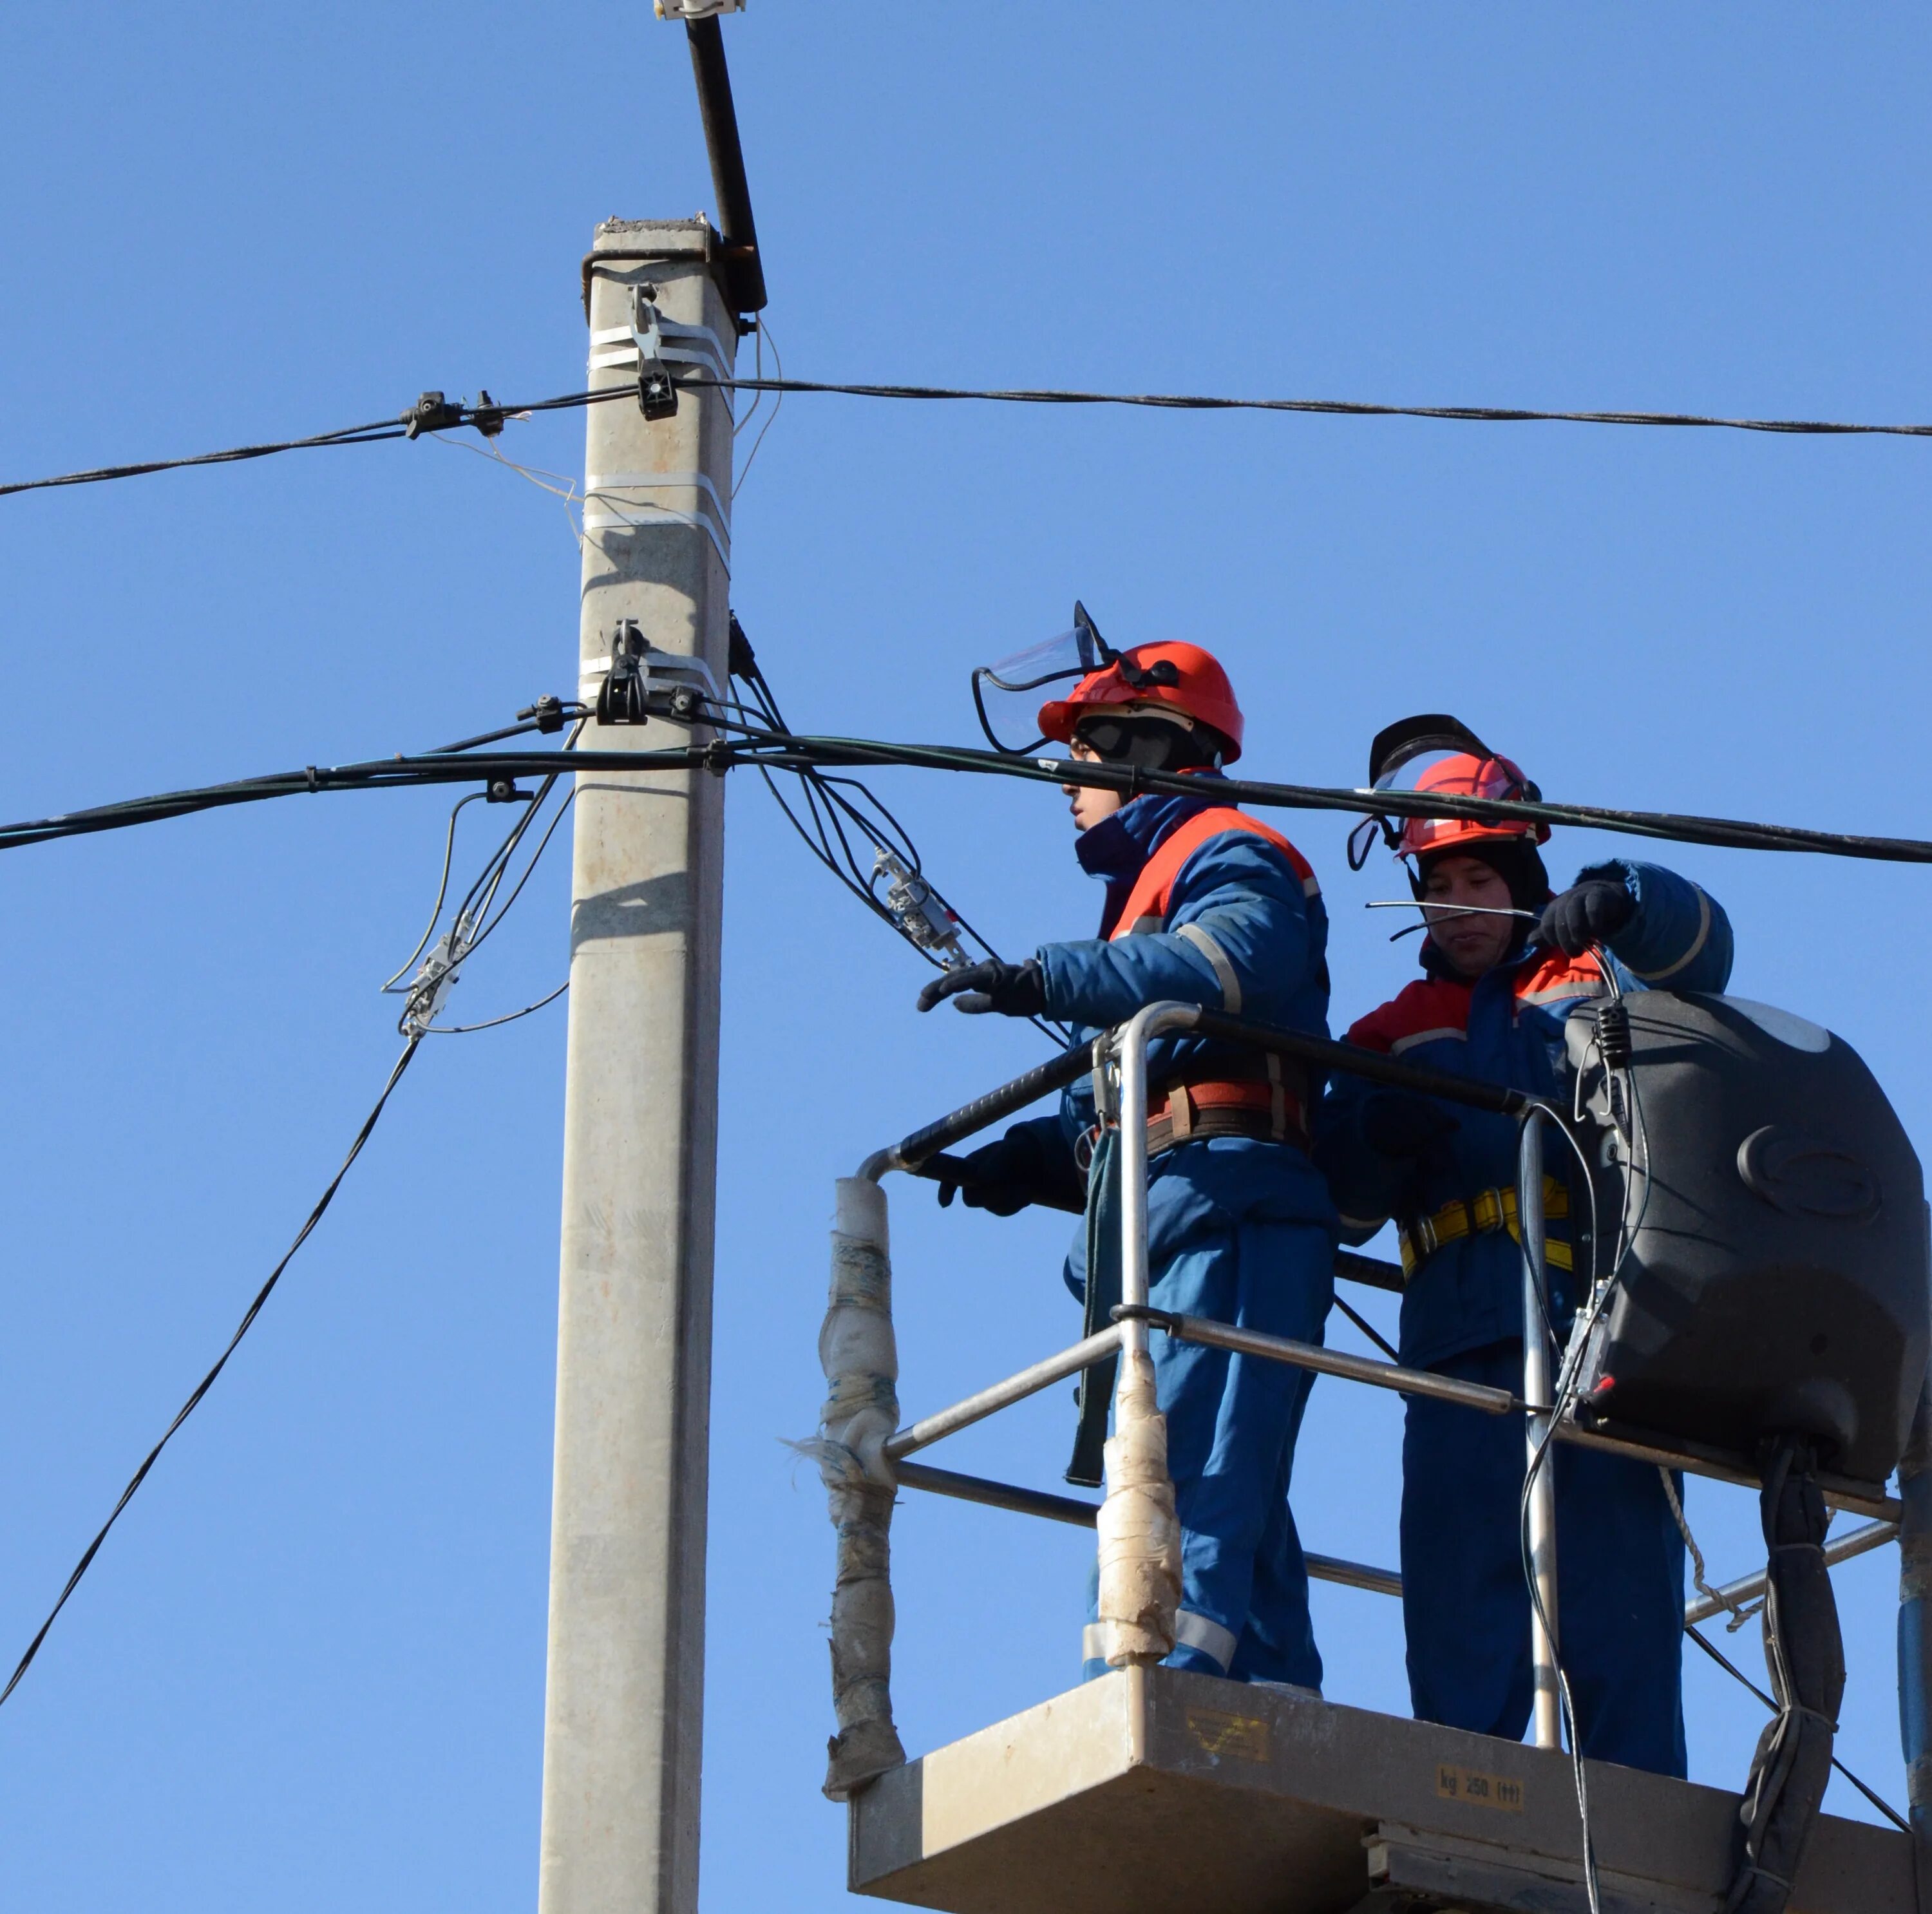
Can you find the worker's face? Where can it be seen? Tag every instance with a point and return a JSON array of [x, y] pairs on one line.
[[1470, 945], [1090, 806]]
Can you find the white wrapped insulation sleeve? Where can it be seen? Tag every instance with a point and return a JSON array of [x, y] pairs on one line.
[[1140, 1533], [860, 1358]]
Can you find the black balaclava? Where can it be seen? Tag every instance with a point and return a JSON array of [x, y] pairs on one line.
[[1152, 743], [1516, 861]]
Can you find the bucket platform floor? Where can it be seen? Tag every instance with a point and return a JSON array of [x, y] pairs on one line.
[[1152, 1791]]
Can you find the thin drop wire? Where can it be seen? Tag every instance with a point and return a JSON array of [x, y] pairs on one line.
[[207, 1382], [441, 891], [492, 1023], [557, 818], [1737, 1674], [1367, 1328], [739, 422], [764, 331]]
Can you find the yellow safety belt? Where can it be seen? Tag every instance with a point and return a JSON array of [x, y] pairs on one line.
[[1483, 1214]]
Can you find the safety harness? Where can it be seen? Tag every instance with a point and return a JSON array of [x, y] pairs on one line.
[[1482, 1214]]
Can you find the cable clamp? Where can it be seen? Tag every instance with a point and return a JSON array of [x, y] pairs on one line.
[[640, 681], [314, 781], [549, 712], [688, 10], [657, 395], [618, 347], [433, 412]]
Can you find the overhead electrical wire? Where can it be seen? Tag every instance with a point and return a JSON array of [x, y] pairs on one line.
[[477, 909], [1737, 1674], [759, 747], [477, 914], [489, 417], [207, 1382], [350, 435], [1343, 408], [830, 810]]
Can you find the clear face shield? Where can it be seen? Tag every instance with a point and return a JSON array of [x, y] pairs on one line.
[[1008, 695], [1435, 754]]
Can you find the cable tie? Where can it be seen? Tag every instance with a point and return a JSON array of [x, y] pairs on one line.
[[314, 782]]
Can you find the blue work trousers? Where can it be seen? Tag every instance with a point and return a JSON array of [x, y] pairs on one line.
[[1232, 1424], [1465, 1604]]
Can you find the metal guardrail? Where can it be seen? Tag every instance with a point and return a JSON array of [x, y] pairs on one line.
[[1121, 1056]]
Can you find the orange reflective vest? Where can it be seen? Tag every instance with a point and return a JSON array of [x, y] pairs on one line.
[[1146, 904]]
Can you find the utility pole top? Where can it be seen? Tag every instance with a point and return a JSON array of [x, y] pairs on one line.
[[694, 241]]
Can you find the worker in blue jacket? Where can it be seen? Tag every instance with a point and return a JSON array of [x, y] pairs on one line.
[[1207, 906], [1504, 965]]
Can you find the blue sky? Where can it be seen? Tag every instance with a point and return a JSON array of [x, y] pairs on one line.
[[307, 1671]]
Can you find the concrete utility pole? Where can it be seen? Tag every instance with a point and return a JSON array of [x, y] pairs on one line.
[[624, 1702]]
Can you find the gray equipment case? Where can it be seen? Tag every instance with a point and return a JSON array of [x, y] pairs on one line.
[[1777, 1276]]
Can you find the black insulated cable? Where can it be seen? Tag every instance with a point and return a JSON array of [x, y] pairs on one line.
[[1341, 408], [489, 419], [1737, 1674], [207, 1382], [767, 747]]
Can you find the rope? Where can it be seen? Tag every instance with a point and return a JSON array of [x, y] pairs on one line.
[[1740, 1612]]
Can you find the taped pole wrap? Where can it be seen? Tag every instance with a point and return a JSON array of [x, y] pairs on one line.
[[1140, 1533], [860, 1358]]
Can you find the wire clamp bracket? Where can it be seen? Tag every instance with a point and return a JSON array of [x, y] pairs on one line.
[[641, 682], [657, 393]]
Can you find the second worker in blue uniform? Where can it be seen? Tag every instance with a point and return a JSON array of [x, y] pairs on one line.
[[1504, 965]]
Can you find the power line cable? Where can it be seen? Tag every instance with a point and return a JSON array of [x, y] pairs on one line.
[[1737, 1674], [1343, 408], [426, 418], [207, 1382], [770, 748], [824, 801], [352, 435], [424, 999]]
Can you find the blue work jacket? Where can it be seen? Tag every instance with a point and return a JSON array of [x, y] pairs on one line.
[[1507, 1027], [1243, 929]]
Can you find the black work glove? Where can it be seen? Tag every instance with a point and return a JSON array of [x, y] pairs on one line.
[[1592, 912], [1017, 1170], [1398, 1124], [1014, 990]]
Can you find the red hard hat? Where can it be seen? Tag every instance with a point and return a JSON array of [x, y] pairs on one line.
[[1464, 774], [1193, 685]]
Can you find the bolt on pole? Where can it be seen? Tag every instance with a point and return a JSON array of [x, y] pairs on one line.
[[624, 1699]]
